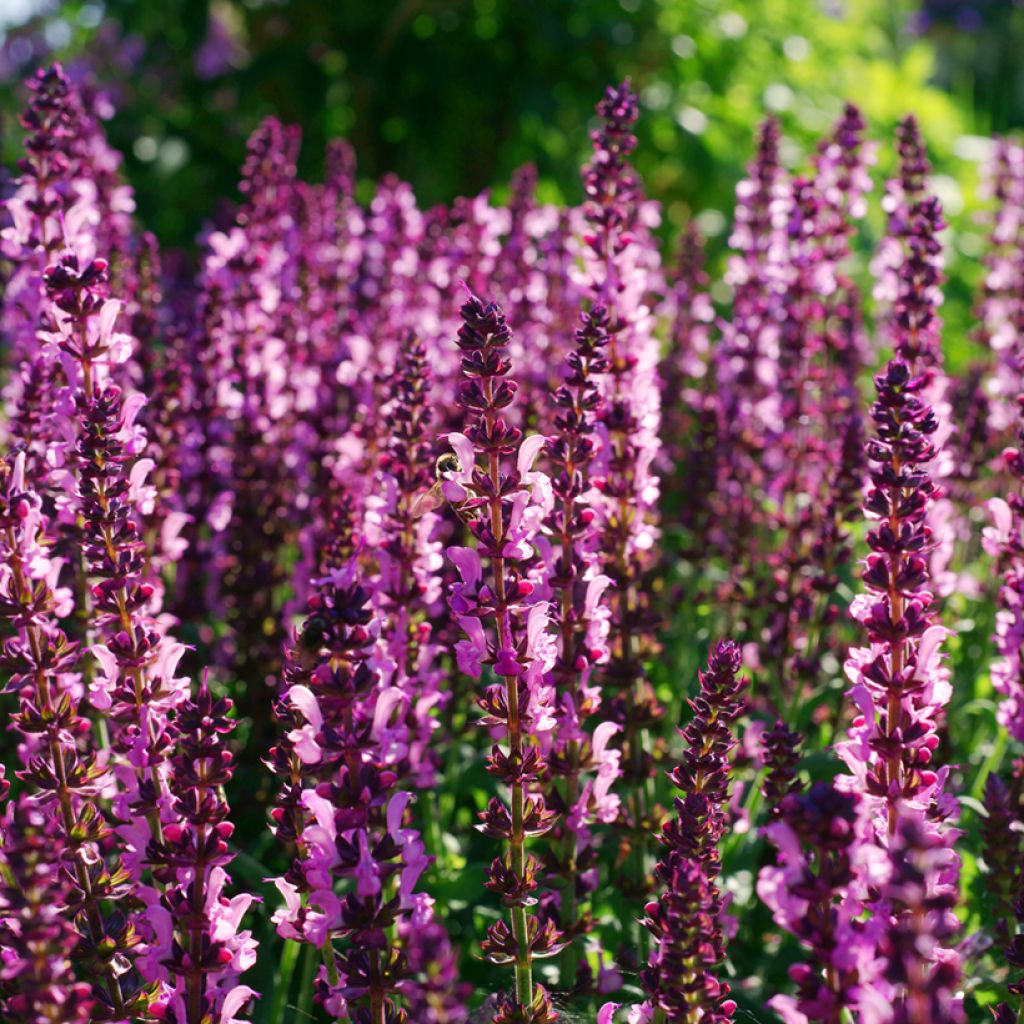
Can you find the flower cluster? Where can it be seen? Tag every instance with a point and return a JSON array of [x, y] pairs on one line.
[[38, 939], [686, 920], [1004, 540], [578, 590], [620, 274], [272, 509], [503, 510], [899, 684], [402, 530], [812, 893], [340, 806], [208, 952], [42, 666]]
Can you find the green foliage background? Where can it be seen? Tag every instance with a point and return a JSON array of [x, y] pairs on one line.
[[453, 95]]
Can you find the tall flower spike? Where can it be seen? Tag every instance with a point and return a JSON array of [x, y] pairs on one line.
[[145, 702], [1003, 848], [581, 615], [686, 919], [817, 372], [54, 121], [812, 893], [407, 594], [41, 665], [622, 269], [208, 951], [136, 685], [900, 687], [1004, 540], [502, 505], [745, 364], [782, 758], [37, 898], [341, 805], [1000, 313], [929, 985], [688, 399]]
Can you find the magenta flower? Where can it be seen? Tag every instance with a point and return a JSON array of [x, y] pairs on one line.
[[503, 507], [622, 268], [686, 919], [579, 593], [37, 981]]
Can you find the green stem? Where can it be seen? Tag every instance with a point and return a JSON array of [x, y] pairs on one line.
[[283, 980], [517, 855]]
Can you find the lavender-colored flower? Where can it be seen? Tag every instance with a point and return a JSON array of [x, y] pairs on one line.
[[621, 270], [340, 805], [1004, 540], [207, 951], [247, 390], [812, 893], [899, 685], [137, 687], [578, 587], [504, 506], [435, 992], [746, 358], [898, 681], [915, 946], [64, 775], [908, 270], [686, 919], [1002, 846], [401, 530], [1000, 311], [39, 942], [39, 211]]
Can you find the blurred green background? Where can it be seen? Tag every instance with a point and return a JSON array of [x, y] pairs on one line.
[[453, 95]]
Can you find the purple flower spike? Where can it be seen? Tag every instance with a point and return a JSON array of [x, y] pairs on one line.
[[686, 920], [37, 898], [42, 667], [585, 762], [1004, 540], [504, 505], [340, 804], [623, 269], [811, 893]]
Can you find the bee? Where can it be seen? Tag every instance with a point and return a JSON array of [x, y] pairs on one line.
[[434, 498]]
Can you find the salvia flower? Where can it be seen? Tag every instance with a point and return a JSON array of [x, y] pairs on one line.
[[340, 805], [578, 587], [685, 920], [402, 530], [208, 951], [1003, 847], [1004, 540], [37, 982], [918, 961], [41, 217], [502, 503], [812, 893], [621, 270], [900, 688], [781, 746], [65, 775], [1001, 311]]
